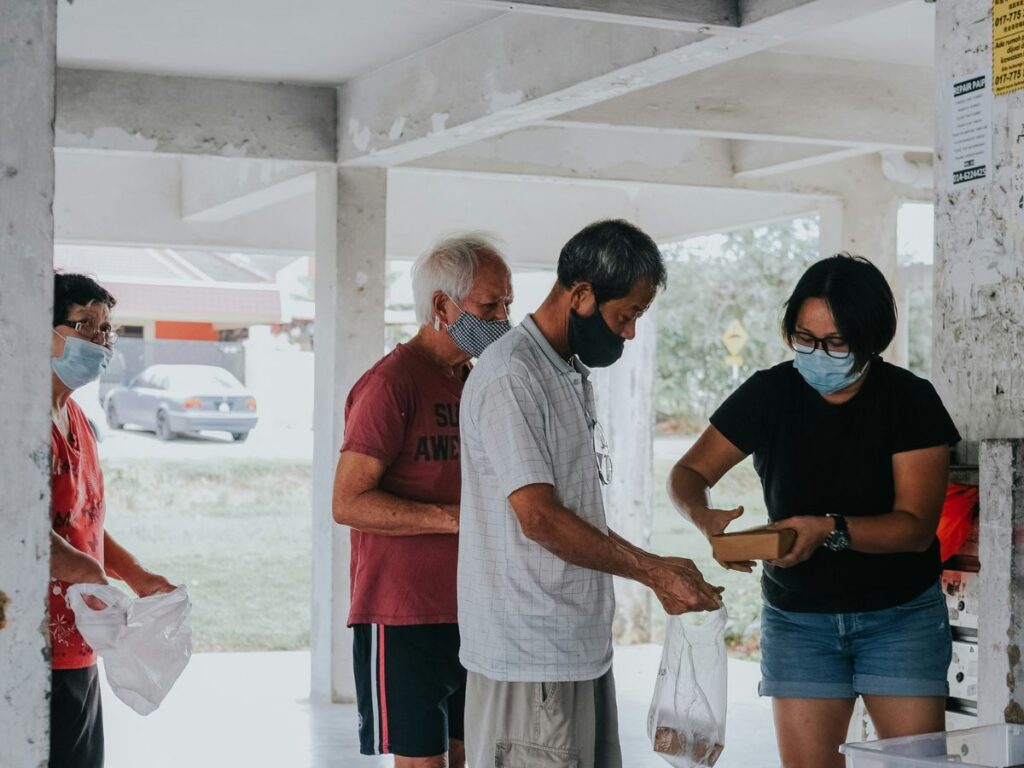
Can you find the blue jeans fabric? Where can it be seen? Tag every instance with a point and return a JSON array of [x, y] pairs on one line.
[[900, 651]]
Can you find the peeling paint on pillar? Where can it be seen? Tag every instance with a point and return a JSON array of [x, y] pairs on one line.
[[439, 121], [1013, 656], [133, 112], [397, 127], [979, 258], [359, 134], [4, 602]]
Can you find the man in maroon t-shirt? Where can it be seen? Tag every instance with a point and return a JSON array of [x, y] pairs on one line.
[[397, 486]]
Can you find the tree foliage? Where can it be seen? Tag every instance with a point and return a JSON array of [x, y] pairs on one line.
[[744, 275]]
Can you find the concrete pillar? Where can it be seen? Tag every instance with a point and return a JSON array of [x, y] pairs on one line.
[[978, 338], [863, 222], [625, 403], [830, 227], [979, 248], [351, 278], [27, 70], [1001, 622], [869, 229]]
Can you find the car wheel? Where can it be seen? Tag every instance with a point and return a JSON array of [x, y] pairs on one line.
[[112, 421], [239, 437], [163, 426]]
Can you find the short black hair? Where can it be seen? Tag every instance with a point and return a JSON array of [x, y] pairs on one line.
[[613, 256], [859, 296], [71, 289]]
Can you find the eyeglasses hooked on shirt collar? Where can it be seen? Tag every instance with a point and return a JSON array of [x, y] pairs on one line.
[[603, 453], [601, 450]]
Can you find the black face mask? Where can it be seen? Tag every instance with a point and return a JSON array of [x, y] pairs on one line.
[[590, 338]]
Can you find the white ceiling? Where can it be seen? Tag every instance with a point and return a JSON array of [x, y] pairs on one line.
[[904, 34], [330, 41], [303, 41]]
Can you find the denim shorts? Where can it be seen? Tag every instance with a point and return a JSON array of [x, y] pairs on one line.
[[900, 651]]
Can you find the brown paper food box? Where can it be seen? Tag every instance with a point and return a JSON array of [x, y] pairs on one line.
[[752, 544]]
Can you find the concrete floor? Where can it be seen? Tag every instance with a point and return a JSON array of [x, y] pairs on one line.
[[252, 709]]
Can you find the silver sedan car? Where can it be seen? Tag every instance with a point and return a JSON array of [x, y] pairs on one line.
[[183, 399]]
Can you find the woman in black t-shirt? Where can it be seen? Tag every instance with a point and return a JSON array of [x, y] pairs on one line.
[[853, 455]]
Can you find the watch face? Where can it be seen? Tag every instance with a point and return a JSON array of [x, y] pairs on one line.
[[838, 541]]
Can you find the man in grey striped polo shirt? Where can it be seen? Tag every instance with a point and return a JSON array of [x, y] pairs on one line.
[[536, 557]]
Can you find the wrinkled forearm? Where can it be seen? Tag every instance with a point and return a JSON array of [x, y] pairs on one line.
[[385, 514], [576, 541]]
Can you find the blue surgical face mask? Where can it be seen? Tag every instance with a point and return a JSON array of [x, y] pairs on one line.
[[825, 374], [81, 362], [473, 334]]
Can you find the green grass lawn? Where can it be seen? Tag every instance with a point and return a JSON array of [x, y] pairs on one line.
[[236, 533], [672, 535]]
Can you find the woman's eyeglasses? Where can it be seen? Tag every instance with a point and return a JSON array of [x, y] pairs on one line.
[[833, 346]]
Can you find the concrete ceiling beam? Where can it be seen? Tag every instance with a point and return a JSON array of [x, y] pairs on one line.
[[217, 190], [663, 13], [256, 200], [758, 159], [596, 155], [135, 199], [656, 156], [129, 112], [524, 68], [784, 97], [554, 209]]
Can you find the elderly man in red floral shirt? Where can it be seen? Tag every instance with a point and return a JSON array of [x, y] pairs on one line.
[[81, 550]]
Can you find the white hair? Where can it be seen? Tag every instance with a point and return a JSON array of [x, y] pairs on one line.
[[449, 267]]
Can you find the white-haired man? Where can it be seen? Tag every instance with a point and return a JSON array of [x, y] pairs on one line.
[[397, 485]]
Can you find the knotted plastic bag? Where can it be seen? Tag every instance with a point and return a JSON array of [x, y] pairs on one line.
[[686, 723], [145, 642]]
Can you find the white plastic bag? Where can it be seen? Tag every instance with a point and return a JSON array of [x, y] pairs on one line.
[[686, 723], [145, 642]]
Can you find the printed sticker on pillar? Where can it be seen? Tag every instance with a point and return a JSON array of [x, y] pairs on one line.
[[969, 122], [1007, 46]]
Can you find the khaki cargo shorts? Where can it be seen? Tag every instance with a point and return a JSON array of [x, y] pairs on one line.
[[542, 725]]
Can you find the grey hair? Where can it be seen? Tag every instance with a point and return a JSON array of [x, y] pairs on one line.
[[449, 267]]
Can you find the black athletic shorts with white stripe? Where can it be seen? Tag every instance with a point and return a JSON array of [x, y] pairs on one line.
[[410, 688]]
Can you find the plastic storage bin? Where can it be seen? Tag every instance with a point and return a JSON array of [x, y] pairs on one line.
[[990, 746]]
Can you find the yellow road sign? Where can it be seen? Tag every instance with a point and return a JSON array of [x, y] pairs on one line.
[[734, 360], [735, 337]]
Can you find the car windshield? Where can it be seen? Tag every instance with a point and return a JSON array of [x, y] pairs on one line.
[[202, 377]]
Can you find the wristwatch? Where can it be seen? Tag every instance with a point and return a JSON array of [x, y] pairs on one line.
[[839, 539]]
